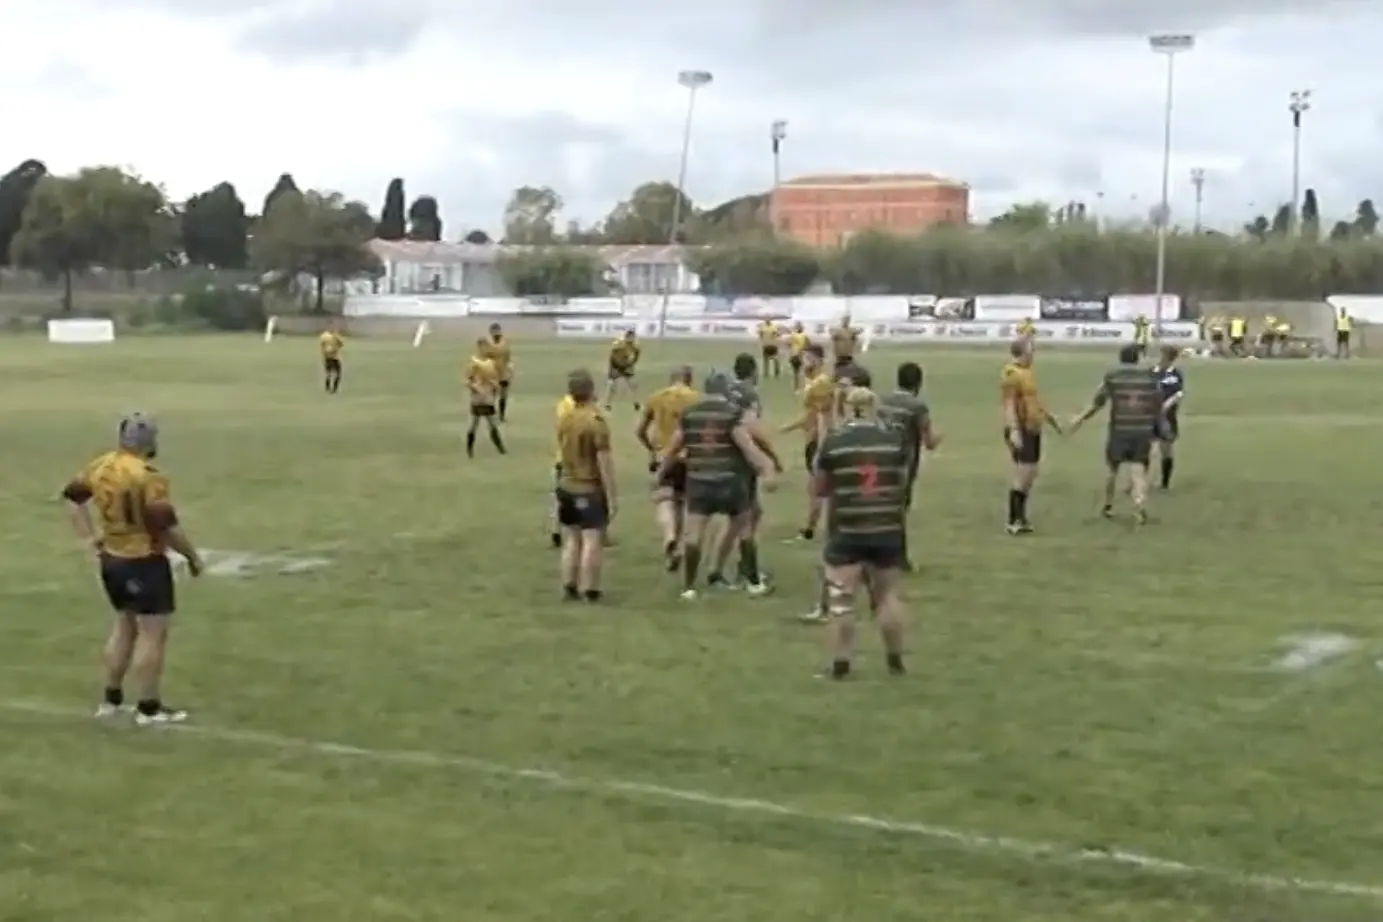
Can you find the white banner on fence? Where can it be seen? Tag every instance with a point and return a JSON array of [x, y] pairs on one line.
[[1360, 308], [81, 331], [1007, 308], [922, 331], [1131, 307]]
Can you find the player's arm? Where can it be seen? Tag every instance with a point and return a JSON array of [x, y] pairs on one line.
[[821, 473], [927, 438], [1097, 403], [78, 493], [761, 437], [743, 438], [641, 433], [670, 453], [1174, 401], [473, 383], [161, 518], [605, 463]]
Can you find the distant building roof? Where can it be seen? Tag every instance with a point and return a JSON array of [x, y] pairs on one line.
[[413, 251], [874, 180]]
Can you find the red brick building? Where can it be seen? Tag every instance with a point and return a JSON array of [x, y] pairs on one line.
[[827, 210]]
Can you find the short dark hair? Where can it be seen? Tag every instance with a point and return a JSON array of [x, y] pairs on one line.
[[910, 376], [1129, 355], [860, 377], [745, 365], [581, 386], [682, 374]]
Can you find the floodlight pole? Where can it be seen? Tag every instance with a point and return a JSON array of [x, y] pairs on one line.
[[1170, 46], [1299, 103], [692, 80], [777, 133], [1198, 183]]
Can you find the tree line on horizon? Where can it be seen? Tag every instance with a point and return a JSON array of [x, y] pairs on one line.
[[106, 217]]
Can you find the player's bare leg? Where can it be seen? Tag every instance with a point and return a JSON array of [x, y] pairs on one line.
[[117, 656], [665, 515], [887, 606], [150, 649], [1138, 491], [729, 540], [631, 388], [694, 536], [570, 566], [495, 438], [470, 435], [1111, 487], [841, 585], [1020, 488], [611, 385], [1166, 463], [749, 572], [592, 561], [814, 508]]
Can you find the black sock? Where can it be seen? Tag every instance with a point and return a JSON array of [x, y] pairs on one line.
[[691, 563], [895, 663], [115, 697], [592, 595], [570, 592], [1166, 473], [807, 534], [470, 442], [840, 668], [496, 440], [326, 384], [556, 539], [503, 407], [1015, 506], [749, 561], [335, 384], [1022, 506], [150, 706]]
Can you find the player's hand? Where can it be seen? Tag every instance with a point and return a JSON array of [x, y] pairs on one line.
[[654, 464], [769, 482], [1074, 425], [93, 551], [611, 511], [1015, 439], [195, 566]]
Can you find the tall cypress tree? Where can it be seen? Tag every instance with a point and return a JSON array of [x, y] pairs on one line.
[[284, 184], [393, 220]]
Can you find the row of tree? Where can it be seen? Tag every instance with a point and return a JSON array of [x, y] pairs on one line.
[[1068, 260]]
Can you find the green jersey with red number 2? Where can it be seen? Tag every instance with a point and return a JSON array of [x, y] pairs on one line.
[[865, 466]]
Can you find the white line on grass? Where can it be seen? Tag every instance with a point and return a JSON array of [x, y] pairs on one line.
[[1028, 850]]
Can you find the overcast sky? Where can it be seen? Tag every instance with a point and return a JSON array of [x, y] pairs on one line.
[[1023, 99]]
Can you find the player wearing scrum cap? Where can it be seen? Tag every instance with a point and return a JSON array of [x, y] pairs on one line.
[[136, 525], [862, 475]]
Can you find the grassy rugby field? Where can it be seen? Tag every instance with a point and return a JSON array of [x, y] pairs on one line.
[[397, 719]]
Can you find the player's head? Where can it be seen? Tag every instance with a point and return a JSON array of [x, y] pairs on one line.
[[480, 345], [1021, 350], [581, 386], [138, 434], [629, 336], [1129, 355], [798, 328], [813, 358], [861, 403], [910, 377], [682, 374], [1169, 355], [845, 319], [746, 367], [1343, 312], [496, 331], [717, 384]]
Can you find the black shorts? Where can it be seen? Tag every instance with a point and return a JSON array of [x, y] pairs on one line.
[[1236, 340], [620, 373], [731, 499], [809, 454], [882, 553], [1029, 450], [1217, 336], [331, 366], [675, 478], [1168, 428], [843, 362], [504, 387], [584, 511], [770, 352], [1128, 449], [1342, 337], [139, 585], [795, 361], [482, 409]]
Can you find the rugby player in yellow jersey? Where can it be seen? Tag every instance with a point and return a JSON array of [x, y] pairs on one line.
[[624, 358], [1024, 419], [1142, 334], [769, 343], [818, 403], [662, 415], [845, 339], [564, 407], [497, 350], [798, 341], [137, 526], [331, 343], [586, 501], [482, 382], [1344, 328], [1026, 328]]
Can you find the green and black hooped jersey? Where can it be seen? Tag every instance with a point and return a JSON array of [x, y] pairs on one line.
[[745, 396], [1134, 396], [866, 466], [713, 458], [909, 415]]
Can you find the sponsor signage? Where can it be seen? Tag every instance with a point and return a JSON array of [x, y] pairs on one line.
[[928, 331], [1074, 309]]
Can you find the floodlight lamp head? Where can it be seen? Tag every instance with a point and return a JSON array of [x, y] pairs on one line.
[[1171, 44], [694, 79], [1300, 101], [778, 130]]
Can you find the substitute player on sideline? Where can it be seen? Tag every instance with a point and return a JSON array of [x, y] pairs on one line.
[[1132, 393], [658, 426], [331, 343], [862, 475], [138, 525], [1024, 419], [586, 499]]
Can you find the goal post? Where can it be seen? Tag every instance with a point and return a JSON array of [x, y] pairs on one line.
[[421, 333], [270, 326]]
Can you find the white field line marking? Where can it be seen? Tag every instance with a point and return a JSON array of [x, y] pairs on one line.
[[959, 839]]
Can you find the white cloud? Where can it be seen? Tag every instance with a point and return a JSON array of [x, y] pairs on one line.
[[1050, 99]]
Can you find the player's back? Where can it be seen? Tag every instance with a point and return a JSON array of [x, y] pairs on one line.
[[708, 434], [666, 406], [867, 469], [121, 486], [906, 413], [1135, 398], [330, 344], [582, 434], [745, 395]]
